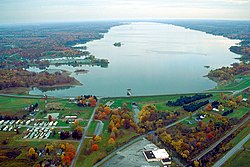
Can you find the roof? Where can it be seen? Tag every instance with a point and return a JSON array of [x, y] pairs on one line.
[[160, 154], [166, 160], [149, 154]]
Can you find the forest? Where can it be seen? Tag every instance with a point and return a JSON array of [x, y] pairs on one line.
[[225, 74], [11, 78]]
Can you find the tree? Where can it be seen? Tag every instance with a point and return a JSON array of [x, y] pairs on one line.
[[115, 130], [66, 160], [111, 125], [107, 110], [118, 125], [111, 141], [93, 102], [196, 163], [239, 99], [126, 124], [50, 118], [112, 135], [64, 135], [210, 136], [97, 139], [94, 147], [209, 107], [220, 107], [31, 152], [77, 133], [63, 147], [48, 148], [232, 104]]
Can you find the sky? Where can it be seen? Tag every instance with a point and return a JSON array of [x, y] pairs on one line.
[[29, 11]]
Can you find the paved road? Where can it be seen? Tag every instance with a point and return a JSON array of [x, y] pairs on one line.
[[232, 152], [239, 91], [73, 163], [220, 140]]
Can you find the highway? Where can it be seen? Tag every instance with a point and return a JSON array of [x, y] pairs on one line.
[[232, 152]]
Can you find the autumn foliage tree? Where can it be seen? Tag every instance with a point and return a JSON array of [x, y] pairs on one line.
[[50, 118], [209, 107], [94, 147], [32, 153], [69, 154], [111, 141]]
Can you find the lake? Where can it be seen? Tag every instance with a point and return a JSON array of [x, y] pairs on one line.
[[154, 59]]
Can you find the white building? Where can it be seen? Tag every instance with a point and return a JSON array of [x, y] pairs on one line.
[[157, 155]]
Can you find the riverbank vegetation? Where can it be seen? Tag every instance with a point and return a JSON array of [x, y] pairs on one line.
[[235, 77]]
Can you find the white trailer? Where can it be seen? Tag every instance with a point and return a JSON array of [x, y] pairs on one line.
[[51, 123], [10, 128], [54, 124], [28, 122]]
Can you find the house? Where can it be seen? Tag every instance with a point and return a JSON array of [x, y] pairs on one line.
[[156, 155], [215, 109], [166, 161]]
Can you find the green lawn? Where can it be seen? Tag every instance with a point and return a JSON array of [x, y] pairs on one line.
[[13, 105], [68, 109], [159, 100], [239, 112], [241, 135], [91, 129]]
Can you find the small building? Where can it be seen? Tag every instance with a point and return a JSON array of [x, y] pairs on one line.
[[215, 109], [166, 162], [156, 155], [244, 99]]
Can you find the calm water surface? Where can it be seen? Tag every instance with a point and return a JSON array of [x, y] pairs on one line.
[[154, 59]]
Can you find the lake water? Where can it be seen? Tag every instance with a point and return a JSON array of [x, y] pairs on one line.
[[154, 59]]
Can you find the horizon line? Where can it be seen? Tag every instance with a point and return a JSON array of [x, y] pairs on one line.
[[122, 20]]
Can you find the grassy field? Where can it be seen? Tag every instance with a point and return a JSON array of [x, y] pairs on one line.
[[239, 112], [159, 101], [66, 108], [91, 129], [241, 135], [13, 105]]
